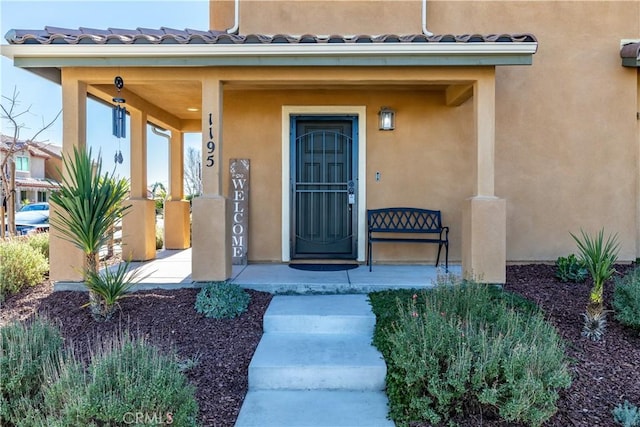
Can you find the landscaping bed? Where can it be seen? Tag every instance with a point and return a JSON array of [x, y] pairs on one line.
[[222, 347], [604, 373]]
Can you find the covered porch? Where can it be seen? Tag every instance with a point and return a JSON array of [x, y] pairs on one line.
[[214, 84], [171, 269]]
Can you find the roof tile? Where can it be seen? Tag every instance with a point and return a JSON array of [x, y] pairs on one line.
[[166, 35]]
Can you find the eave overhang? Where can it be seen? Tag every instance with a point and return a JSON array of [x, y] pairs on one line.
[[383, 54], [630, 54]]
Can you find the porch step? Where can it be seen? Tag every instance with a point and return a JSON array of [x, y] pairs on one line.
[[315, 366], [318, 408], [316, 361], [326, 314]]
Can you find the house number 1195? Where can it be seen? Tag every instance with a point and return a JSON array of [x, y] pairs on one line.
[[211, 146]]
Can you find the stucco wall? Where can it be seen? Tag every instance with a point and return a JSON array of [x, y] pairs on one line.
[[37, 167], [327, 17], [566, 129], [426, 162]]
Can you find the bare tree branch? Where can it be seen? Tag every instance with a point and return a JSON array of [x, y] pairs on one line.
[[11, 113], [192, 172]]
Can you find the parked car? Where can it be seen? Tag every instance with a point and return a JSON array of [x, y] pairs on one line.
[[32, 218], [33, 221], [44, 206]]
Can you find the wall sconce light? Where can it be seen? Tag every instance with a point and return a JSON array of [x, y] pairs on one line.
[[387, 118]]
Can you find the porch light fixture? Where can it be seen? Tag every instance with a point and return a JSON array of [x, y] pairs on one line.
[[387, 118]]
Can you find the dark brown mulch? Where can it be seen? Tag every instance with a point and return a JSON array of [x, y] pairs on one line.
[[605, 373], [168, 319]]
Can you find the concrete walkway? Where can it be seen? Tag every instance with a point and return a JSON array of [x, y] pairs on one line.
[[172, 269], [315, 366]]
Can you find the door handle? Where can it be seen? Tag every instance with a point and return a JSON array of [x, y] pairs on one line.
[[351, 193]]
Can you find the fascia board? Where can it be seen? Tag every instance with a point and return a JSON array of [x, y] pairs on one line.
[[287, 54]]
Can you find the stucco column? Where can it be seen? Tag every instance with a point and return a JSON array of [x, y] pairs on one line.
[[139, 224], [211, 249], [66, 261], [638, 174], [176, 210], [484, 214]]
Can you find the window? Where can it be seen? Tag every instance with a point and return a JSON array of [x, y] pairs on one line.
[[22, 163], [42, 196]]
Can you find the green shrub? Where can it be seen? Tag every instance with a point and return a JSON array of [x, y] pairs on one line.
[[125, 377], [20, 266], [159, 205], [571, 269], [40, 242], [463, 344], [627, 415], [222, 300], [27, 348], [159, 237], [626, 299]]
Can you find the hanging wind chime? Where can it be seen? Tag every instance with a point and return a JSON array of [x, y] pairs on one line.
[[119, 118]]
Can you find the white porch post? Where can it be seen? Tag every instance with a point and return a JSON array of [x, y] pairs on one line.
[[66, 261], [138, 225], [211, 248], [484, 214]]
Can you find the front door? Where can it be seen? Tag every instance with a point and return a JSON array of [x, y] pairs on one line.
[[324, 182]]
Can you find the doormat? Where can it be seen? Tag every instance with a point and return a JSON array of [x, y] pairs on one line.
[[323, 267]]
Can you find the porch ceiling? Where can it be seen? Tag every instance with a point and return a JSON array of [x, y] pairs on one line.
[[176, 104], [178, 99]]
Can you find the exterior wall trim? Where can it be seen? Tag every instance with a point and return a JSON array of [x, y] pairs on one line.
[[380, 54], [357, 110], [407, 60], [304, 49]]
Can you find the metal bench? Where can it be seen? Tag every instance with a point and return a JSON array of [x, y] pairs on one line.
[[387, 225]]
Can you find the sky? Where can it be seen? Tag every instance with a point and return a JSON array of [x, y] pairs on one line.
[[44, 98]]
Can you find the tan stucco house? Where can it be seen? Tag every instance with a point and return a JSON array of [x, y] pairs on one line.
[[36, 169], [517, 119]]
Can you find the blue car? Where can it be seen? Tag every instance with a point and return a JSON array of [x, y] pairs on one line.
[[44, 206]]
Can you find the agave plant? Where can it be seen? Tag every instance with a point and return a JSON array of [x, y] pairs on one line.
[[111, 285], [599, 256], [90, 203], [595, 323]]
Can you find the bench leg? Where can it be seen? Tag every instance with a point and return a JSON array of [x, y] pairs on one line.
[[446, 255], [369, 255]]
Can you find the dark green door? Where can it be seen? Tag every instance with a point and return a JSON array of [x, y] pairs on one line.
[[324, 183]]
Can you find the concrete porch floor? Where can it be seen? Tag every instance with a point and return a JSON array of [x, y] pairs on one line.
[[172, 270]]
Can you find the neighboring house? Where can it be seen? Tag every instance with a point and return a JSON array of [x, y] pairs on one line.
[[36, 164], [517, 119]]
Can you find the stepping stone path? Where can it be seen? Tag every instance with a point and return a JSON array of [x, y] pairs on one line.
[[315, 366]]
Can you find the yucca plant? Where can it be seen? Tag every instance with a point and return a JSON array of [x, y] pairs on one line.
[[90, 203], [111, 285], [599, 256]]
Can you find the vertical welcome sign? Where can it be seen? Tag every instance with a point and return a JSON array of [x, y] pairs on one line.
[[239, 194]]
